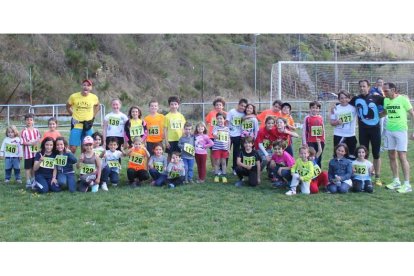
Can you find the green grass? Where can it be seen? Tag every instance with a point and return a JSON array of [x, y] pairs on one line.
[[206, 212]]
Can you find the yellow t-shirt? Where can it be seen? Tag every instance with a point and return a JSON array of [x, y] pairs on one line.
[[174, 122], [82, 107], [155, 127]]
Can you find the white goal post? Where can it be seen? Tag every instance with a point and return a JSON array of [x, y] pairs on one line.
[[304, 80]]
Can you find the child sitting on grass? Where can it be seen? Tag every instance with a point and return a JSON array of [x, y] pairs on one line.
[[302, 172], [175, 170], [280, 165]]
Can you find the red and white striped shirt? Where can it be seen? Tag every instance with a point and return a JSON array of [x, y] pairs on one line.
[[28, 135]]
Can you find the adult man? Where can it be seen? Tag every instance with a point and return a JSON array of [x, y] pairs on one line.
[[82, 106], [369, 123], [396, 107]]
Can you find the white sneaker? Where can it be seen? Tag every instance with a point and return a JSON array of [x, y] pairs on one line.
[[104, 187], [290, 192], [394, 185], [405, 189]]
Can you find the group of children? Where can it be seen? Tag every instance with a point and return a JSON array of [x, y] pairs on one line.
[[51, 166]]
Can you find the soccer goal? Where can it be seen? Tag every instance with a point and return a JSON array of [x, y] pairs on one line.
[[308, 80]]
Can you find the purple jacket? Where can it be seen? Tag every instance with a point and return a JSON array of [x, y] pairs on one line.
[[202, 142]]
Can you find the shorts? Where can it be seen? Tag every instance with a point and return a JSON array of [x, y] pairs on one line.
[[220, 154], [397, 140], [77, 135], [173, 147], [28, 163]]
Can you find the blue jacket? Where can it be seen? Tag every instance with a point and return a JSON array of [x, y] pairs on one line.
[[69, 164], [340, 167]]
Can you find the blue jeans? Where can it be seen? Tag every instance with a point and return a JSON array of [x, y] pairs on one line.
[[189, 168], [342, 188], [10, 164], [108, 173], [158, 177], [67, 179], [46, 184]]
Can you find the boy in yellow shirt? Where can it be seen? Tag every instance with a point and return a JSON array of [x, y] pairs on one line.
[[173, 126]]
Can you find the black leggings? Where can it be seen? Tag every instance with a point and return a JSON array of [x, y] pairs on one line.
[[372, 135]]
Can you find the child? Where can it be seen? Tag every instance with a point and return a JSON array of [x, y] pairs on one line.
[[273, 112], [157, 166], [97, 145], [135, 126], [53, 132], [280, 165], [282, 133], [340, 171], [362, 169], [11, 150], [175, 171], [264, 141], [302, 171], [173, 126], [155, 126], [202, 142], [90, 167], [343, 118], [137, 165], [114, 123], [187, 146], [320, 177], [30, 141], [64, 162], [234, 122], [248, 164], [44, 167], [112, 165], [219, 103], [250, 124], [313, 128], [286, 109], [220, 148]]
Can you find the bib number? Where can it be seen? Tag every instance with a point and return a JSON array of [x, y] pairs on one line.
[[249, 161], [189, 149], [114, 164], [360, 169], [34, 148], [345, 118], [266, 143], [87, 168], [113, 121], [316, 170], [159, 166], [47, 163], [223, 136], [246, 125], [316, 130], [176, 125], [136, 159], [136, 131], [61, 160], [10, 148], [237, 121], [154, 130]]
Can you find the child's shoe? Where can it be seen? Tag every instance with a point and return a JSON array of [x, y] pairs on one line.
[[290, 192], [224, 179], [171, 186], [95, 188], [104, 186], [6, 181], [19, 181], [216, 179]]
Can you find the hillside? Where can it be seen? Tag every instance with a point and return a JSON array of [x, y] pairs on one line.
[[138, 67]]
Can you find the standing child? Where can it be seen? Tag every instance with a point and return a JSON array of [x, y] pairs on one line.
[[173, 126], [90, 167], [320, 178], [286, 114], [44, 167], [64, 162], [157, 166], [30, 141], [340, 171], [202, 142], [280, 165], [313, 128], [135, 126], [187, 146], [248, 164], [112, 165], [250, 124], [219, 103], [302, 172], [220, 148], [52, 132], [175, 171], [137, 165], [155, 126], [114, 123], [362, 169], [11, 150]]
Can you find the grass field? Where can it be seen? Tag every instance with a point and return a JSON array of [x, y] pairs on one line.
[[206, 212]]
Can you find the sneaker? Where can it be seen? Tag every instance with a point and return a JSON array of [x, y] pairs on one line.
[[378, 182], [234, 172], [394, 185], [405, 189], [199, 181], [216, 179], [95, 188], [171, 186], [104, 187], [19, 181], [239, 183], [290, 192], [28, 185], [224, 179], [6, 181]]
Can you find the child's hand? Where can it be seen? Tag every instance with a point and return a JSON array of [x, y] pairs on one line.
[[41, 157], [54, 181], [279, 171], [81, 158]]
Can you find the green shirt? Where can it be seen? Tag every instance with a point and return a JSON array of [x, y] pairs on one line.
[[397, 113]]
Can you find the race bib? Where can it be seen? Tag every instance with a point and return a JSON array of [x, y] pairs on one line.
[[236, 121], [316, 130], [176, 124], [174, 174], [114, 121], [113, 164], [34, 148], [247, 125], [87, 168], [47, 163], [360, 169], [316, 170], [249, 161], [302, 171], [136, 131], [266, 143], [154, 130], [189, 149], [222, 136], [159, 166], [214, 122], [136, 159], [11, 148], [345, 118], [61, 160]]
